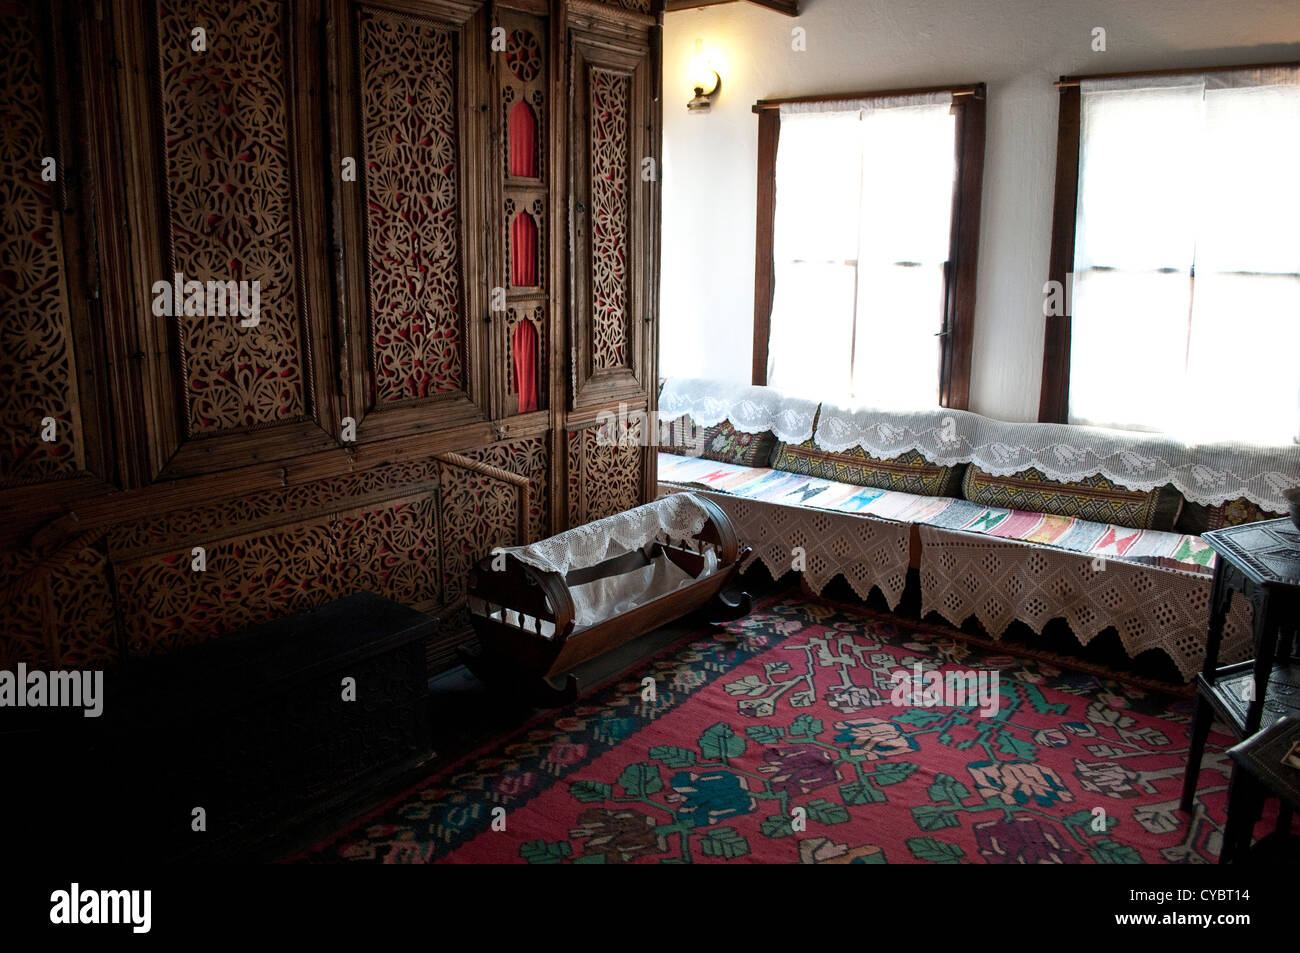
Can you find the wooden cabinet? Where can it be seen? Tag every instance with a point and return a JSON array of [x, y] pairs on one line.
[[611, 169], [326, 296], [412, 125], [53, 429], [234, 346], [615, 124]]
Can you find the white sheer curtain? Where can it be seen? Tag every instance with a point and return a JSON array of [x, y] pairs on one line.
[[861, 240], [1186, 299], [814, 248]]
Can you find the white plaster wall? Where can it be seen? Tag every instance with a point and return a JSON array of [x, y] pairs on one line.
[[1017, 47]]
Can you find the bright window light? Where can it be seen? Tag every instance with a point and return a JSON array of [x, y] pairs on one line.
[[861, 242], [1186, 297]]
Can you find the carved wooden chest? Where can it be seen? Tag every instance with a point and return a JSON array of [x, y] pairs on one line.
[[232, 745]]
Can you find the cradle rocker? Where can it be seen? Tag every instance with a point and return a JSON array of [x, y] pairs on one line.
[[540, 610]]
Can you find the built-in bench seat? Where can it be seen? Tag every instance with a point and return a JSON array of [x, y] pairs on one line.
[[869, 494], [1098, 540]]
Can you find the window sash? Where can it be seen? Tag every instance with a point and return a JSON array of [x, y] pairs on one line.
[[1163, 171], [956, 324], [1223, 245], [876, 251]]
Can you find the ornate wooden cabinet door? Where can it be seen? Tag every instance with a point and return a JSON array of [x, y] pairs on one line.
[[56, 603], [222, 166], [613, 161], [612, 135], [50, 432], [412, 119]]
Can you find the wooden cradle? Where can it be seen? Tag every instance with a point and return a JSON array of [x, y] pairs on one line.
[[527, 618]]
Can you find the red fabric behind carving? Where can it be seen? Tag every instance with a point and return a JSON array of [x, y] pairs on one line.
[[523, 251], [524, 350], [523, 141]]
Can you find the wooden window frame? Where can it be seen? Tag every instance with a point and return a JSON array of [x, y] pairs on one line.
[[1054, 392], [957, 330]]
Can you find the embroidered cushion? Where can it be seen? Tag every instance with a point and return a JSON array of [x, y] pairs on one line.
[[1198, 518], [1095, 498], [908, 472], [721, 442]]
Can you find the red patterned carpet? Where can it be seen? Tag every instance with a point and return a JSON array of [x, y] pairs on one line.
[[776, 739]]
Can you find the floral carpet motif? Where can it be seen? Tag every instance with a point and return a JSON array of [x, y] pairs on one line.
[[778, 739]]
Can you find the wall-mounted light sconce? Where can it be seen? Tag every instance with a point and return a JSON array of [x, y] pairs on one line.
[[704, 80]]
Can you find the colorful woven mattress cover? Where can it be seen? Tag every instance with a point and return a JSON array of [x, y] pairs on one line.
[[1102, 540]]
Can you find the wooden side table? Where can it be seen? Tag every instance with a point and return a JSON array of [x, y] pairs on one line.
[[1258, 772], [1262, 562]]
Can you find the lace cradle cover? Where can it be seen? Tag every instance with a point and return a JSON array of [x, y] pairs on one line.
[[1208, 474], [869, 552], [606, 598], [750, 409], [1003, 582], [676, 517]]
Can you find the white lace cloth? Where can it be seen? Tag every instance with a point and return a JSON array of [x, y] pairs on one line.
[[821, 544], [750, 409], [676, 517], [1000, 582], [612, 596], [1209, 473]]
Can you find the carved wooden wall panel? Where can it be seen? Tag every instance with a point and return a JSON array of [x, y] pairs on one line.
[[611, 474], [529, 458], [408, 109], [392, 550], [248, 579], [610, 164], [479, 512], [524, 54], [388, 546], [410, 532], [222, 164], [612, 124], [22, 614], [573, 478], [80, 594], [604, 469], [230, 200], [167, 531], [37, 363], [58, 612]]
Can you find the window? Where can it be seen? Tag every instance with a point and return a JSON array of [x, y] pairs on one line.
[[864, 278], [1184, 271]]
